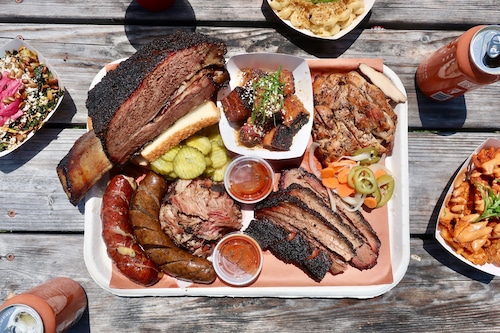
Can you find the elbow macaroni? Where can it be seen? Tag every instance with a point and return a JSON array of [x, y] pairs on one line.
[[323, 19]]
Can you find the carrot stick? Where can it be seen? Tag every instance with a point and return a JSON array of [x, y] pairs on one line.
[[328, 172], [345, 190], [330, 182], [342, 163], [370, 202], [379, 173], [342, 175]]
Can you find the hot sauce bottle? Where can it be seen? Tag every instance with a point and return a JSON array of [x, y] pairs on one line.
[[53, 306]]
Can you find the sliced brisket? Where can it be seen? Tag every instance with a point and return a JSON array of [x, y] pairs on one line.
[[296, 217], [135, 102], [355, 219], [364, 257], [291, 248]]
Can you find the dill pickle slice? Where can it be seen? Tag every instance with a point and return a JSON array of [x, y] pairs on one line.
[[218, 174], [202, 143], [170, 154], [216, 138], [208, 161], [189, 163], [219, 156], [162, 167]]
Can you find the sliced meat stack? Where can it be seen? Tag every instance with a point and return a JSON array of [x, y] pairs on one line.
[[153, 88], [318, 240], [350, 113], [139, 100]]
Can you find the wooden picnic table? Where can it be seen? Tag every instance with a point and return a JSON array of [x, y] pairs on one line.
[[42, 234]]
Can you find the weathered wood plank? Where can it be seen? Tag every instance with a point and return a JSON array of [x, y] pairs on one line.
[[446, 288], [390, 13], [433, 160], [32, 196], [78, 53]]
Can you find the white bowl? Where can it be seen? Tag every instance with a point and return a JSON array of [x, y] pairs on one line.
[[487, 268], [13, 45], [303, 90], [341, 33]]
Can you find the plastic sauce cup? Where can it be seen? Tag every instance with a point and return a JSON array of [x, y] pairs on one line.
[[249, 179], [237, 259]]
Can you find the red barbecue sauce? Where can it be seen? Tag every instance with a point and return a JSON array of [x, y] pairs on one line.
[[241, 251], [250, 180]]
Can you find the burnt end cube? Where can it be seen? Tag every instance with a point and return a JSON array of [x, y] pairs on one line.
[[249, 135], [286, 77], [294, 112], [279, 138], [237, 105]]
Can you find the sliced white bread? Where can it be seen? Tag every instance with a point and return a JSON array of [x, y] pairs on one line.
[[202, 116]]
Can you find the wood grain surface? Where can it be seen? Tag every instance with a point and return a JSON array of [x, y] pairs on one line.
[[44, 232]]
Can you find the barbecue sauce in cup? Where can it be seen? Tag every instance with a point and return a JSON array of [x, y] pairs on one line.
[[249, 179], [237, 259]]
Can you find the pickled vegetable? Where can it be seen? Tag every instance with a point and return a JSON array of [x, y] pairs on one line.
[[218, 156], [202, 143], [162, 167], [207, 145], [189, 163]]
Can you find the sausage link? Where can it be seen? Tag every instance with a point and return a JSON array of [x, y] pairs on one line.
[[144, 217], [117, 233]]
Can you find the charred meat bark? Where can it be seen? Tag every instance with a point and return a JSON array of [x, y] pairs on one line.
[[291, 248], [355, 219], [295, 216], [153, 88], [365, 257]]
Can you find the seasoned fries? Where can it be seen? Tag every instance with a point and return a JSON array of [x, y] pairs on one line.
[[323, 19], [470, 220]]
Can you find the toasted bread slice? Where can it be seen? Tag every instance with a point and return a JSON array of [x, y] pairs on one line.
[[202, 116]]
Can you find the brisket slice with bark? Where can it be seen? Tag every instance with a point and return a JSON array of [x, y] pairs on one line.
[[295, 216], [364, 257], [355, 219], [291, 248], [153, 88]]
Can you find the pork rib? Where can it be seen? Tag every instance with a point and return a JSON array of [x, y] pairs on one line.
[[82, 167]]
